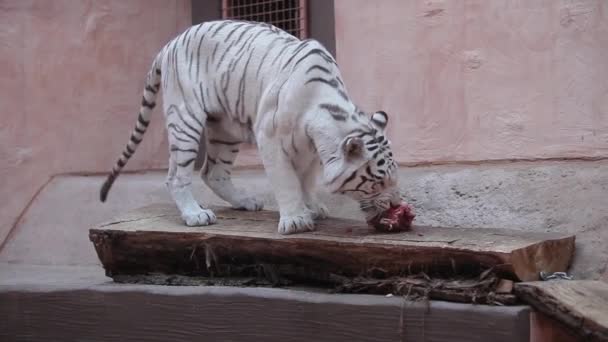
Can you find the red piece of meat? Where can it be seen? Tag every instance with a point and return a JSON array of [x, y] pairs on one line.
[[395, 219]]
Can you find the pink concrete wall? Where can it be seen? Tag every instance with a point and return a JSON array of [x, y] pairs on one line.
[[71, 80], [478, 79], [463, 80]]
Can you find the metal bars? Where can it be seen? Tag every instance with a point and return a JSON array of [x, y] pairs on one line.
[[289, 15]]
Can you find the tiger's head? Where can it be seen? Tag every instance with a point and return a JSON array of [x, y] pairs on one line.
[[367, 171]]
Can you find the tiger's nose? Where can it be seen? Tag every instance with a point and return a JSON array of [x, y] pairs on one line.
[[392, 181], [395, 200]]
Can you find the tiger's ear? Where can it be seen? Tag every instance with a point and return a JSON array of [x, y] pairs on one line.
[[353, 147], [379, 120]]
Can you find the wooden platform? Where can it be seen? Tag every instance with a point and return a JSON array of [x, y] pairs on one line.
[[580, 305], [76, 303], [154, 240]]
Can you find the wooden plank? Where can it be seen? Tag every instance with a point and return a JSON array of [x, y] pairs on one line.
[[154, 240], [183, 314], [582, 305], [546, 329]]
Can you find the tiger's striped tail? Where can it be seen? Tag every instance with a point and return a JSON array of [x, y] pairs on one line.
[[151, 89]]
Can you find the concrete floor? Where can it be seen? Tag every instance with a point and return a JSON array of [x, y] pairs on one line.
[[550, 196]]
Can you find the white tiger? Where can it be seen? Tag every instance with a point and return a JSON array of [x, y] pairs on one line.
[[229, 82]]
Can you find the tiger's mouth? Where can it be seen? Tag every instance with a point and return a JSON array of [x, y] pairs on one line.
[[373, 209], [377, 206]]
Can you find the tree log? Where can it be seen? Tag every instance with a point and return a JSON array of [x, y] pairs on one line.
[[153, 239]]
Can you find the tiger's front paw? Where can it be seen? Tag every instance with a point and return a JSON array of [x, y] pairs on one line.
[[249, 204], [319, 210], [201, 217], [296, 224]]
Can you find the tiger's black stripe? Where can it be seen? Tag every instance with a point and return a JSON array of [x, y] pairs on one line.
[[349, 178], [283, 50], [225, 81], [363, 181], [185, 36], [179, 130], [186, 163], [188, 109], [318, 52], [276, 108], [303, 44], [199, 99], [141, 121], [147, 104], [135, 139], [274, 41], [293, 143], [238, 41], [332, 83], [187, 49], [337, 112], [151, 89], [241, 97], [198, 53], [217, 95], [318, 67], [190, 62], [224, 142], [220, 26], [175, 148], [236, 27], [214, 52], [254, 38]]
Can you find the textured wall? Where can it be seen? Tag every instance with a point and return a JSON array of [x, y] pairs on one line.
[[478, 79], [70, 87], [464, 80]]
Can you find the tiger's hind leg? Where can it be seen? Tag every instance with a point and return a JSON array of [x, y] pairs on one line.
[[216, 173], [185, 131]]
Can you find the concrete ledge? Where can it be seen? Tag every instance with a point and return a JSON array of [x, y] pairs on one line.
[[564, 197], [80, 304]]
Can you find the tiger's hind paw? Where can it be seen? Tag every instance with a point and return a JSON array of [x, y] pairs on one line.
[[202, 217], [296, 224]]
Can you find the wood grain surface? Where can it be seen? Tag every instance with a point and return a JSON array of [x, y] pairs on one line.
[[582, 305], [154, 239], [205, 315]]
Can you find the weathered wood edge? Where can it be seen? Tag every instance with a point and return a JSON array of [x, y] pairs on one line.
[[102, 240], [527, 263], [486, 293], [548, 304], [106, 247]]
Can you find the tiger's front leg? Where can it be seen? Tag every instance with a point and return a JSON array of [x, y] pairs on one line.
[[296, 217], [309, 184]]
